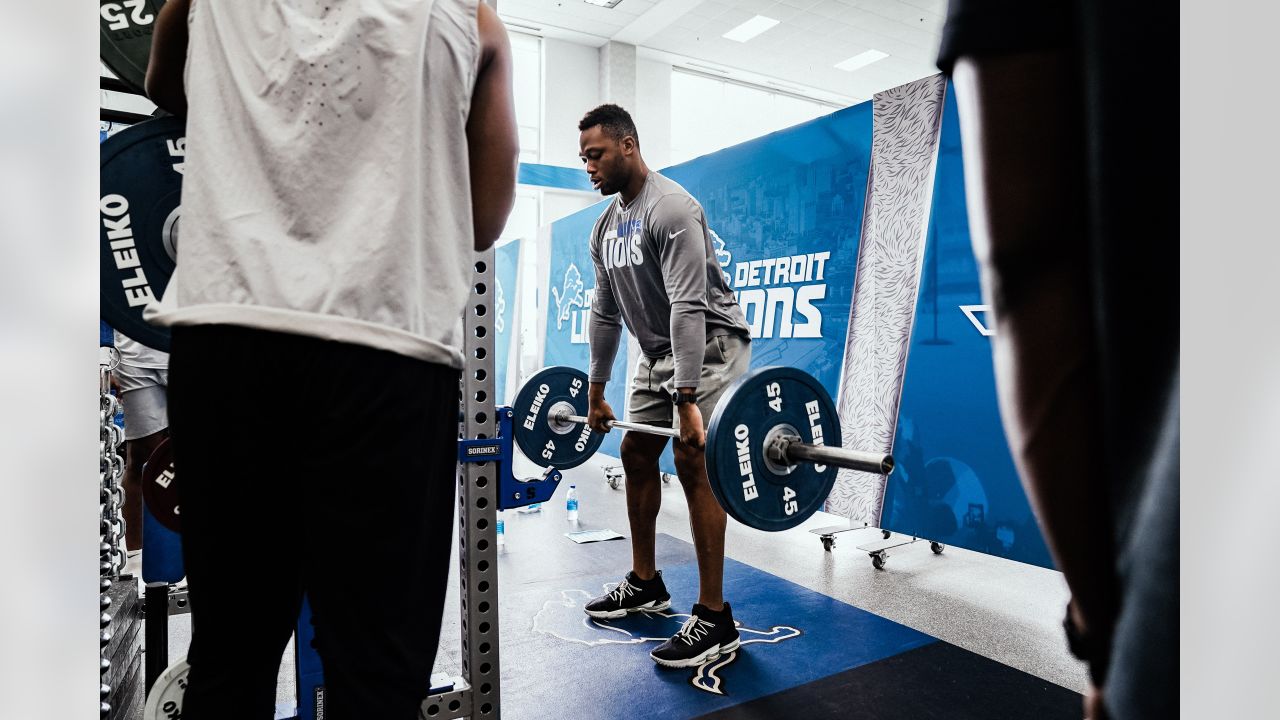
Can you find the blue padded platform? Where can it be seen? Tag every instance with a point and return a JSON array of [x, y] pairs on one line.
[[559, 662]]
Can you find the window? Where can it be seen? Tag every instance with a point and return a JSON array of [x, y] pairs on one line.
[[526, 77], [526, 62], [710, 114]]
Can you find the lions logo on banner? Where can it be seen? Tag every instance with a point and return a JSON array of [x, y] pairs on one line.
[[568, 296]]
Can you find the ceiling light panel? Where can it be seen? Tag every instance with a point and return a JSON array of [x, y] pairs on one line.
[[751, 28], [604, 3], [861, 60]]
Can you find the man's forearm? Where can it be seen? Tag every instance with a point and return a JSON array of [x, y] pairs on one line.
[[688, 343], [1049, 394], [1030, 239], [605, 334]]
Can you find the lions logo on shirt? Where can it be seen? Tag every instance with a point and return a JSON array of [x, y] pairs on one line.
[[621, 248]]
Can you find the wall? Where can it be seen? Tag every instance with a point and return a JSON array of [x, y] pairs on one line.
[[571, 82], [652, 112]]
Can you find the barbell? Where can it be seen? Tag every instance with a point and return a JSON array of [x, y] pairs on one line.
[[773, 441]]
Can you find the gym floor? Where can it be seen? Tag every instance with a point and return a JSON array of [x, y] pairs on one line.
[[1000, 610]]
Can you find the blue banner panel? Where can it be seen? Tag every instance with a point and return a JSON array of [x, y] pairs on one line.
[[572, 284], [553, 176], [505, 295], [955, 480], [785, 211]]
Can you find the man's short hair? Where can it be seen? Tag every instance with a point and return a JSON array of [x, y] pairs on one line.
[[613, 120]]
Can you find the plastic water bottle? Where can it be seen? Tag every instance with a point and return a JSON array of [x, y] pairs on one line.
[[571, 503], [502, 530], [534, 508]]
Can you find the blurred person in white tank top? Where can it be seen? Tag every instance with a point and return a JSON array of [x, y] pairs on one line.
[[345, 160]]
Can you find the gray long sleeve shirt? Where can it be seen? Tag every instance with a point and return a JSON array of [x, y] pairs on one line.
[[656, 271]]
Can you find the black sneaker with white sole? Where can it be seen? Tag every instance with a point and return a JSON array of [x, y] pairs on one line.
[[631, 595], [704, 637]]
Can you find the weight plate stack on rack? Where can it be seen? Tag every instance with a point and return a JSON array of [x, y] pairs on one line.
[[122, 632], [120, 622]]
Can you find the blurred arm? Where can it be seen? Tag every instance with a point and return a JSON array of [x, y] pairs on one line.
[[165, 69], [492, 139]]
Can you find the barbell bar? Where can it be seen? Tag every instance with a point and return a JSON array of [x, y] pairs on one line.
[[785, 449], [563, 416]]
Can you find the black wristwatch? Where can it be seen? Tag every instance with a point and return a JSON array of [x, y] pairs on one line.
[[678, 397]]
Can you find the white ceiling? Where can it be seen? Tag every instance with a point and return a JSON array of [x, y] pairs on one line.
[[811, 37]]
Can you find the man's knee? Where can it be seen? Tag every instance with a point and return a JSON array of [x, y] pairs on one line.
[[140, 449], [638, 455], [690, 462]]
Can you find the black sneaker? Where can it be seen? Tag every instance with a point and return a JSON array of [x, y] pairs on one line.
[[631, 595], [702, 638]]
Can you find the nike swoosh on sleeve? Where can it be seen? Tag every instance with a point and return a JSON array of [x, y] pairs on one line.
[[676, 234]]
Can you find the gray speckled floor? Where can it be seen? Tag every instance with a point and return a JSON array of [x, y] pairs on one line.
[[1007, 611]]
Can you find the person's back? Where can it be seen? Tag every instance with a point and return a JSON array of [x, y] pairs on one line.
[[326, 191], [343, 163]]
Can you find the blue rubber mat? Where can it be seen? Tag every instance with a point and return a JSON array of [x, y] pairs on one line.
[[557, 662]]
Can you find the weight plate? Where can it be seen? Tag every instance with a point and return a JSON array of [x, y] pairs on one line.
[[755, 490], [125, 44], [559, 445], [165, 697], [159, 489], [141, 186]]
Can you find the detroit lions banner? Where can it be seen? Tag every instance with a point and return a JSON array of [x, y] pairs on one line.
[[572, 286], [955, 481], [785, 212], [506, 319]]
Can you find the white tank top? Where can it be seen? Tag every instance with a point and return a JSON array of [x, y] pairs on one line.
[[326, 188]]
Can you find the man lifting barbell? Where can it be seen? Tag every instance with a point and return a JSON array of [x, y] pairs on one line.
[[657, 272]]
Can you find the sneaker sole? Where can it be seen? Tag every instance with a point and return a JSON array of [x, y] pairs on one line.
[[654, 606], [712, 653]]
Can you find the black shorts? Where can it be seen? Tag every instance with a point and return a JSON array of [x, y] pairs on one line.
[[316, 467]]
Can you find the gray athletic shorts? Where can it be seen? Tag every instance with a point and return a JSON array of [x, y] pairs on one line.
[[144, 397], [726, 358]]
